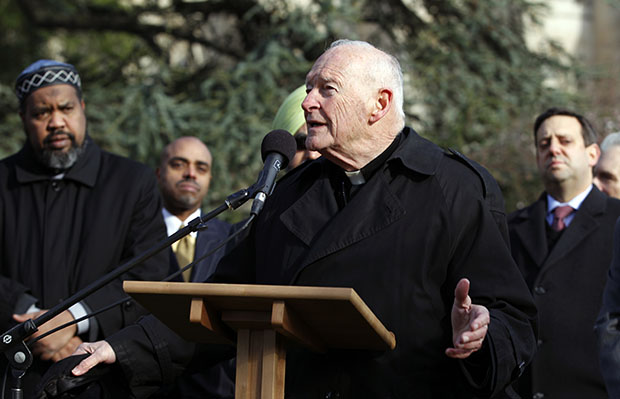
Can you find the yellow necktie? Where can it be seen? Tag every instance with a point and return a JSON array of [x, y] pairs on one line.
[[184, 250]]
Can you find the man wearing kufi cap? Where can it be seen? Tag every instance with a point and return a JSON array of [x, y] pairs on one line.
[[69, 213], [290, 117]]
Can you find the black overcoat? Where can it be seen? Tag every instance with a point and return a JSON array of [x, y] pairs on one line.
[[567, 285], [402, 242], [57, 236], [608, 324]]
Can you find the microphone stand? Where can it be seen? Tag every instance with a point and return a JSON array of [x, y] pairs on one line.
[[12, 341]]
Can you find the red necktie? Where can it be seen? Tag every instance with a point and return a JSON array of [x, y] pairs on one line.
[[559, 214]]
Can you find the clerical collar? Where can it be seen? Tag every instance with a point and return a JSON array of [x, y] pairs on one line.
[[361, 176], [356, 177]]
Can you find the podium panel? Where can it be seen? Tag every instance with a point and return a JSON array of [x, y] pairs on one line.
[[260, 318]]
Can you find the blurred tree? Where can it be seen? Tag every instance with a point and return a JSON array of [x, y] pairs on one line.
[[154, 70]]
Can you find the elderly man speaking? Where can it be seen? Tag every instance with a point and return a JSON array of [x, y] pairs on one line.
[[404, 223]]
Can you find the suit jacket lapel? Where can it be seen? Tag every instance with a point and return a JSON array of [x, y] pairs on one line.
[[584, 222], [200, 250], [531, 231]]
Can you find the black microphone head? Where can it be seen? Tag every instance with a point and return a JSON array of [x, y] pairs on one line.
[[279, 141]]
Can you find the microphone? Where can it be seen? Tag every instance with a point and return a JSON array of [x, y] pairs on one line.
[[277, 149]]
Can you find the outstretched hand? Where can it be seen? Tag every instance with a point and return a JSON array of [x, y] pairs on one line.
[[469, 323], [100, 352]]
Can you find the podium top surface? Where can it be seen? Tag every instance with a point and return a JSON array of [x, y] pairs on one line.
[[337, 316]]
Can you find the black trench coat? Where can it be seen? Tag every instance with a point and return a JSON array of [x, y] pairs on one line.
[[56, 237], [417, 227]]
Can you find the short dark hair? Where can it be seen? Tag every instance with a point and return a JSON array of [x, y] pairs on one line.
[[587, 130]]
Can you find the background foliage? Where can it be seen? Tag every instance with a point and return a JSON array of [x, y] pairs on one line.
[[154, 70]]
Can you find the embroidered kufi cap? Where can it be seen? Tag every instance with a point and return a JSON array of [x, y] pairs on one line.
[[46, 73], [290, 115]]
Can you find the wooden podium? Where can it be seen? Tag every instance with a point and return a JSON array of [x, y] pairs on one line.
[[260, 318]]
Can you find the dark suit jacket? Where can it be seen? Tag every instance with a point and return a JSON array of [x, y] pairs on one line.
[[567, 285], [206, 241]]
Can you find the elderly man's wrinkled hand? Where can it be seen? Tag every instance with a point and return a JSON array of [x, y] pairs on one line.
[[470, 323], [100, 352]]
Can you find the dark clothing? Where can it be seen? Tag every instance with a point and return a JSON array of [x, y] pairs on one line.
[[607, 328], [403, 241], [217, 382], [206, 241], [60, 235], [567, 284]]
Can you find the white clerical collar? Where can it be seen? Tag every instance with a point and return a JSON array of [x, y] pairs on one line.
[[173, 223], [356, 177]]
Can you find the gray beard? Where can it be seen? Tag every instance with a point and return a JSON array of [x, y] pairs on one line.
[[61, 160]]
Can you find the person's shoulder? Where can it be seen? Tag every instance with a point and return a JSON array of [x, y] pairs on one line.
[[121, 160], [460, 173], [522, 213], [219, 225], [127, 166], [425, 157], [613, 207], [10, 158], [8, 161], [489, 185]]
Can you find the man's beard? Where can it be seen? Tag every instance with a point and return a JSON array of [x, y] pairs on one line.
[[62, 160]]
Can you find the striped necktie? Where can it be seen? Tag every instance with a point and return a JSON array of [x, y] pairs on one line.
[[559, 214]]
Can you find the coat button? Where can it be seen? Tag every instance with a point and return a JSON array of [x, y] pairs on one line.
[[538, 395], [540, 290]]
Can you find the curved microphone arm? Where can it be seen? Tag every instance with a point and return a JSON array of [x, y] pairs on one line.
[[12, 341], [123, 300]]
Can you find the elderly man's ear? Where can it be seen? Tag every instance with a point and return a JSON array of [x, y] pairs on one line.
[[382, 105]]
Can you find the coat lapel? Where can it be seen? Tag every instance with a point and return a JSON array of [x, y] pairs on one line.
[[200, 250], [531, 231], [334, 230], [584, 223], [319, 203]]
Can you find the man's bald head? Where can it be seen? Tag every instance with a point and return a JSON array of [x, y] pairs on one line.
[[184, 175]]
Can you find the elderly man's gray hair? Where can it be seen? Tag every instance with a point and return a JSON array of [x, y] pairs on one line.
[[387, 71]]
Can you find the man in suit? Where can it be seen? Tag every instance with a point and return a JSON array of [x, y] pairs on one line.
[[563, 245], [607, 170], [184, 175]]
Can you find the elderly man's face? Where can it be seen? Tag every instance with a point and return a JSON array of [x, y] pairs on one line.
[[607, 172], [55, 124], [337, 104], [184, 175]]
